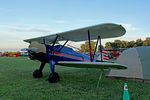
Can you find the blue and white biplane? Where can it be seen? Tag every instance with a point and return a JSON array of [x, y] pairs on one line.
[[46, 50]]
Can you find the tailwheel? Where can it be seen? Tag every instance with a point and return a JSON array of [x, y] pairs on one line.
[[53, 77], [37, 74]]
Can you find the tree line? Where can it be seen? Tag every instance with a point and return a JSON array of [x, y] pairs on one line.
[[127, 44], [116, 44]]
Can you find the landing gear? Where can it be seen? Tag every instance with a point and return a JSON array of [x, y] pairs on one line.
[[37, 74], [53, 77]]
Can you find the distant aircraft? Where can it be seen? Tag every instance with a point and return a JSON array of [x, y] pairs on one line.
[[45, 49]]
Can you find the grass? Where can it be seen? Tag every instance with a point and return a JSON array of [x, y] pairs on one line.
[[17, 83]]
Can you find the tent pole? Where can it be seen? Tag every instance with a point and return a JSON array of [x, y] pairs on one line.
[[100, 77]]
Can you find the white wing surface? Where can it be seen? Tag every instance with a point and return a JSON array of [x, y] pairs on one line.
[[98, 65], [107, 30]]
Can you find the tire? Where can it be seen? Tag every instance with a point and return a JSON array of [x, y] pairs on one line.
[[53, 77], [37, 74]]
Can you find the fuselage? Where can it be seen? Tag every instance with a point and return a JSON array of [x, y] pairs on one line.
[[65, 54], [56, 53]]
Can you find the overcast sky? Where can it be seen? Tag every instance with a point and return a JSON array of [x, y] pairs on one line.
[[23, 19]]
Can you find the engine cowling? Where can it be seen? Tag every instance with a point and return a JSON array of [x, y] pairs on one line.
[[37, 51]]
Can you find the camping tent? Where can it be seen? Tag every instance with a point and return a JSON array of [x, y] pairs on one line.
[[137, 61]]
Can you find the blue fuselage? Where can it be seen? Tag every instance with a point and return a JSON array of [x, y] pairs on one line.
[[60, 53]]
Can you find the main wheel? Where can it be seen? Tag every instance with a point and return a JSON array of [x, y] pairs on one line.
[[53, 77], [37, 74]]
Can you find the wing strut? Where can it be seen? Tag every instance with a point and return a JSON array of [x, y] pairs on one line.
[[98, 39], [63, 46], [95, 47], [54, 41], [89, 45], [100, 48]]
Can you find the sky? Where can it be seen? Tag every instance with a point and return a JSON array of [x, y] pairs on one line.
[[24, 19]]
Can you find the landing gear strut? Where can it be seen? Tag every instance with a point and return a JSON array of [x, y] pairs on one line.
[[38, 72], [53, 77]]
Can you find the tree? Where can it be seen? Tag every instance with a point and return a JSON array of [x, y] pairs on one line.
[[124, 44], [131, 44], [139, 42], [85, 47], [135, 45], [108, 45], [118, 44], [114, 45], [147, 41]]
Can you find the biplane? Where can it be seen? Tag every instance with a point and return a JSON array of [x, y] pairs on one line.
[[47, 50]]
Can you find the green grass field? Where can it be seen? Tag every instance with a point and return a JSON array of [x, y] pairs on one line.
[[17, 83]]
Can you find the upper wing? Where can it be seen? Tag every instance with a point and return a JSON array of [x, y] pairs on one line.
[[108, 30], [48, 39], [102, 30], [98, 65]]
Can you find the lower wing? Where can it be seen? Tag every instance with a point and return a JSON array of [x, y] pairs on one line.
[[98, 65]]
